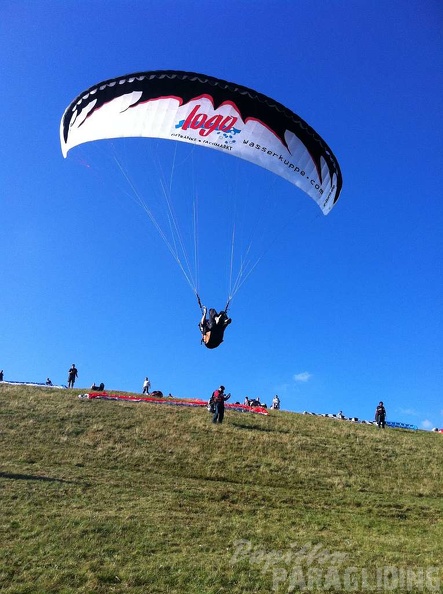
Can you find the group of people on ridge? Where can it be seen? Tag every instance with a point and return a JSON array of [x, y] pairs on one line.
[[212, 330]]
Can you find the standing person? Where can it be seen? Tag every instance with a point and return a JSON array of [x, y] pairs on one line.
[[219, 397], [1, 375], [72, 375], [146, 386], [276, 403], [380, 415]]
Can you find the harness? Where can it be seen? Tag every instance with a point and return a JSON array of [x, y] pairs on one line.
[[214, 337]]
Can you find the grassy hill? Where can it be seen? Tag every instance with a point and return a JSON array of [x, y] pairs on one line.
[[103, 496]]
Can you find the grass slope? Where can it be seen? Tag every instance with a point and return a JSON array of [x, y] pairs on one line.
[[102, 496]]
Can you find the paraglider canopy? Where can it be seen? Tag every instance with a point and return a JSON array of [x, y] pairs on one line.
[[202, 111], [212, 113]]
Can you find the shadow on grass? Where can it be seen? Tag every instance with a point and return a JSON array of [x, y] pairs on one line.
[[32, 477], [258, 428]]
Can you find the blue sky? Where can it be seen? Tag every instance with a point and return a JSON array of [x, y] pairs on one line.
[[341, 311]]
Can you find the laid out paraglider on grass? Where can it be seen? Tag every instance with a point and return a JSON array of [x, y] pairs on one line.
[[205, 112]]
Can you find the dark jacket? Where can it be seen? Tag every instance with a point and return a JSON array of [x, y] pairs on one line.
[[380, 412]]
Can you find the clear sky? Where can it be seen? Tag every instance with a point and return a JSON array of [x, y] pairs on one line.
[[341, 311]]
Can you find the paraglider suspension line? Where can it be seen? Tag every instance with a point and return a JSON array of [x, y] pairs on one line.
[[199, 302], [228, 303]]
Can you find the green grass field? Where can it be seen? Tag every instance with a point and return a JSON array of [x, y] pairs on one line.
[[102, 496]]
